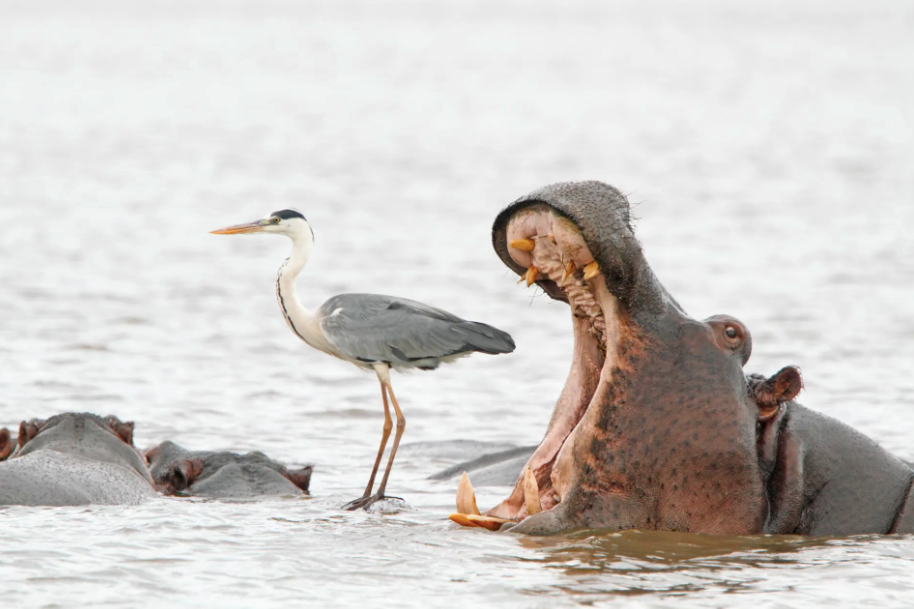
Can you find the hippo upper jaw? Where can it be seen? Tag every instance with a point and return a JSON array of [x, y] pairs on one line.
[[654, 428]]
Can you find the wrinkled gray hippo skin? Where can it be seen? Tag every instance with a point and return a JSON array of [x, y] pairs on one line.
[[75, 459], [178, 471]]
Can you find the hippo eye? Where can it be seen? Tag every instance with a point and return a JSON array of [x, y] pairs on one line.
[[731, 333]]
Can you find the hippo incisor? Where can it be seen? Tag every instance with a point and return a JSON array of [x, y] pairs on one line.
[[658, 427]]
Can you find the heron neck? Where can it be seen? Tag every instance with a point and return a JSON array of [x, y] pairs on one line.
[[303, 322]]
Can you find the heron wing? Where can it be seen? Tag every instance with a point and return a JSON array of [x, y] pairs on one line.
[[375, 328]]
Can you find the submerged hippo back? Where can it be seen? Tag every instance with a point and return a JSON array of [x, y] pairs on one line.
[[48, 477]]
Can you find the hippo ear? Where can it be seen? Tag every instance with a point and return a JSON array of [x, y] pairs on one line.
[[181, 476], [770, 393], [122, 429], [6, 444], [300, 477], [28, 430]]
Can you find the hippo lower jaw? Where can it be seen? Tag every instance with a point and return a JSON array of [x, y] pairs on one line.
[[552, 248]]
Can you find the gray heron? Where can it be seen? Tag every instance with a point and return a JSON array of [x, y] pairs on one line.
[[371, 331]]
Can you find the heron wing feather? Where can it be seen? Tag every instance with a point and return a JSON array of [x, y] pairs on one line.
[[372, 327]]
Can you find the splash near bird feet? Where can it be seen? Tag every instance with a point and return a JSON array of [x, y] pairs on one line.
[[377, 504]]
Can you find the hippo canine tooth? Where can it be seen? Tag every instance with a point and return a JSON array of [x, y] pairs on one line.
[[532, 274], [461, 519], [591, 270], [570, 268], [531, 493], [487, 522], [467, 513], [524, 245], [466, 498]]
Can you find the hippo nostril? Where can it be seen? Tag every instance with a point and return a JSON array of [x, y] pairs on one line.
[[178, 479]]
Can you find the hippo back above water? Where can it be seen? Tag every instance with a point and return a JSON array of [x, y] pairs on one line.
[[74, 459]]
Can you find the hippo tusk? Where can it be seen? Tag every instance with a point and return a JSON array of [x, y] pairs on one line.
[[466, 498], [531, 492], [461, 519], [467, 513], [552, 238], [532, 274], [487, 522], [570, 268], [591, 270], [524, 245]]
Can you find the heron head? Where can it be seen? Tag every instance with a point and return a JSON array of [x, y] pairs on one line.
[[286, 222]]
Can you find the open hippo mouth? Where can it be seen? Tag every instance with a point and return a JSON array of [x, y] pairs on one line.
[[655, 427]]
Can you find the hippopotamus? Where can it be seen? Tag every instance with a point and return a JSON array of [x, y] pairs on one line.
[[74, 459], [658, 426], [178, 471]]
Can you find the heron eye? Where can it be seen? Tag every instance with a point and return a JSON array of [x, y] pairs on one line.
[[275, 220], [731, 333]]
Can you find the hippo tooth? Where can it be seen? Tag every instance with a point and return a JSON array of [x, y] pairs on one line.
[[570, 268], [461, 519], [532, 274], [552, 238], [531, 492], [591, 270], [466, 498], [524, 245], [487, 522]]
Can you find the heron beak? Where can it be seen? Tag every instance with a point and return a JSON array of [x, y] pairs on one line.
[[241, 229]]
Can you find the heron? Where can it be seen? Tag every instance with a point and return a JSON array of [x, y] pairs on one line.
[[373, 332]]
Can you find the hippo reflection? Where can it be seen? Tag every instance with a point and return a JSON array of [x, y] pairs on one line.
[[177, 470], [658, 426]]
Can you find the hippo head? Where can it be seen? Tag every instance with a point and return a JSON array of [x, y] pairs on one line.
[[175, 470], [123, 430], [172, 467], [657, 427], [83, 433]]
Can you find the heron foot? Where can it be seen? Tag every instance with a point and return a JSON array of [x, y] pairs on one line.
[[363, 503]]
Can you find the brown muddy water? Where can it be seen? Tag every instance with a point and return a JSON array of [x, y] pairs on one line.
[[769, 148]]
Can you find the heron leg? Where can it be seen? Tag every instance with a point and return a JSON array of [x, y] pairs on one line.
[[383, 371], [365, 501], [388, 425], [401, 427]]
